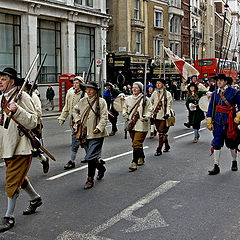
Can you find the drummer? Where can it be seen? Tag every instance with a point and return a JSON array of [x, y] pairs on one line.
[[110, 95], [196, 115]]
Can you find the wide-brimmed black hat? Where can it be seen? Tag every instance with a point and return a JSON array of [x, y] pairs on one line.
[[91, 85], [220, 76], [12, 73], [109, 84], [154, 81], [229, 80], [192, 85], [193, 76]]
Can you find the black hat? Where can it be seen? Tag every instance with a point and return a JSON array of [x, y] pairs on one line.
[[220, 76], [229, 80], [192, 85], [91, 85], [193, 76], [109, 84], [12, 73], [154, 80]]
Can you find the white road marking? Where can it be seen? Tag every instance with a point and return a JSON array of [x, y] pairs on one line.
[[85, 166], [141, 224], [186, 134], [126, 213]]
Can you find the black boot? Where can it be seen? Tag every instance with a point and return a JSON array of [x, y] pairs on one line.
[[215, 170], [89, 183], [6, 224], [158, 152], [167, 146], [136, 154], [101, 169], [34, 204], [234, 166]]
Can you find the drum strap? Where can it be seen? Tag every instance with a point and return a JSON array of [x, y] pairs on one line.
[[136, 105]]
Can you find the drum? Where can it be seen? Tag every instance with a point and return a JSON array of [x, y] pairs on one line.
[[118, 103], [203, 103]]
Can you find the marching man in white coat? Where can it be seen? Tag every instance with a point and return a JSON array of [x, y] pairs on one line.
[[16, 148], [137, 114]]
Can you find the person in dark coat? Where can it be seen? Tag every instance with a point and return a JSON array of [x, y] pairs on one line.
[[196, 115], [50, 96]]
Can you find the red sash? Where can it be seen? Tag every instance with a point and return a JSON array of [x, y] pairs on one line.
[[232, 126]]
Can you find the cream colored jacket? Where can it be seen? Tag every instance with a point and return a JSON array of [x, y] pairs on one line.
[[38, 106], [156, 96], [79, 111], [72, 99], [11, 143], [143, 123]]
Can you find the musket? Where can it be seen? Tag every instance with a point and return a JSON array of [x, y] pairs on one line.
[[30, 135], [87, 75], [38, 73], [22, 88]]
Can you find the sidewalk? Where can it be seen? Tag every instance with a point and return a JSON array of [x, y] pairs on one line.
[[51, 113]]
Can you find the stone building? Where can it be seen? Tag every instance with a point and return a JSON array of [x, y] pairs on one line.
[[71, 32]]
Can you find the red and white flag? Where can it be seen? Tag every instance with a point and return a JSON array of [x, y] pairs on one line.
[[185, 69]]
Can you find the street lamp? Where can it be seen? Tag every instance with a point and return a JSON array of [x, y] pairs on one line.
[[194, 42]]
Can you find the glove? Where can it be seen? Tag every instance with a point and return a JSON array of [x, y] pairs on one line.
[[209, 123], [96, 131], [166, 116], [237, 118], [61, 122]]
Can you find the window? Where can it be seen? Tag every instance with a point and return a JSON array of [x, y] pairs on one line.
[[10, 48], [175, 25], [138, 42], [136, 9], [107, 6], [49, 41], [158, 19], [84, 49], [157, 47], [88, 3]]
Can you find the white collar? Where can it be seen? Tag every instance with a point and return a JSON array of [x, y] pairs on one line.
[[219, 89]]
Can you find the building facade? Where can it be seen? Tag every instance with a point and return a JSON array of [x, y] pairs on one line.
[[71, 32]]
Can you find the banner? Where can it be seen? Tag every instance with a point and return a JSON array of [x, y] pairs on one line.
[[185, 69]]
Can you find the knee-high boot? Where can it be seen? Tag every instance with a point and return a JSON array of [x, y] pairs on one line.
[[160, 144], [166, 143], [101, 169], [136, 154], [91, 173], [141, 157]]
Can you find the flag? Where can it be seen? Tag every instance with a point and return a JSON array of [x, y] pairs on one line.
[[185, 69]]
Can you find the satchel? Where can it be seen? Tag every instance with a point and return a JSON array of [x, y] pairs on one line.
[[171, 120]]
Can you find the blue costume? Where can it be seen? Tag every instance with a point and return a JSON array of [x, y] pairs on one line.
[[220, 120]]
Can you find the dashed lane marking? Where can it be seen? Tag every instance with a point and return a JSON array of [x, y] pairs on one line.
[[186, 134]]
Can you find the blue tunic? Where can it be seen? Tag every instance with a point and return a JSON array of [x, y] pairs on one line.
[[220, 120]]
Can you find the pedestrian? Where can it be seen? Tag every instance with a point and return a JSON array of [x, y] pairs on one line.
[[38, 130], [91, 117], [196, 115], [184, 90], [15, 148], [110, 94], [137, 112], [153, 131], [72, 98], [201, 87], [50, 96], [222, 120], [161, 100]]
